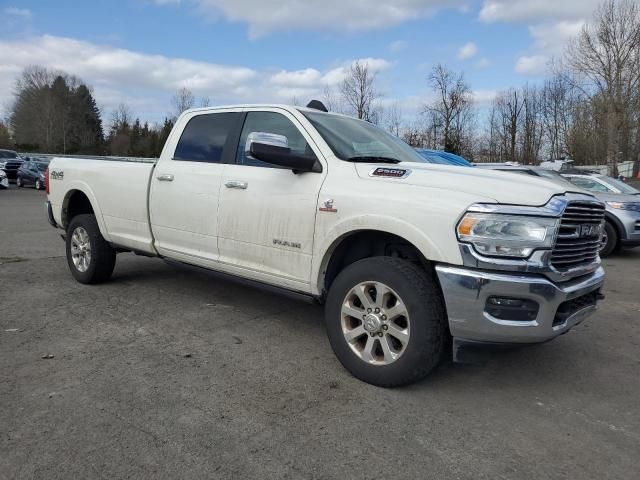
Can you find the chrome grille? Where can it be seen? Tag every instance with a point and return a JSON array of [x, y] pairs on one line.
[[579, 234]]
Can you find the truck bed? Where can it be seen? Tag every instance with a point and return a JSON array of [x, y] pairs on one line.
[[118, 189]]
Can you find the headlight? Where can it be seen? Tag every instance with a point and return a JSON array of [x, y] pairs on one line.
[[635, 206], [506, 235]]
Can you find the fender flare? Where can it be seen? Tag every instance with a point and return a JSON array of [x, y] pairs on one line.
[[78, 185], [324, 250]]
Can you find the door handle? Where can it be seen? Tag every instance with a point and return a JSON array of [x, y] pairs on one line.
[[236, 184], [165, 177]]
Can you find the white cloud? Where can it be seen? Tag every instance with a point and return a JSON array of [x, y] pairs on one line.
[[18, 12], [397, 46], [483, 62], [266, 16], [484, 97], [552, 24], [467, 51], [532, 65], [147, 81], [551, 37], [537, 10]]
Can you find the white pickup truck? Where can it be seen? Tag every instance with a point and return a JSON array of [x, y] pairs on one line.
[[404, 255]]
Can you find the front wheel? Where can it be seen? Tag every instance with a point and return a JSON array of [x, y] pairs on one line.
[[609, 240], [19, 182], [38, 185], [91, 259], [386, 321]]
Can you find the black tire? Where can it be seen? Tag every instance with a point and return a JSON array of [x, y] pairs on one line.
[[424, 304], [19, 183], [103, 257], [612, 240]]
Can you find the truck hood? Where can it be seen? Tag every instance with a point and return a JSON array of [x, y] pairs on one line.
[[501, 187]]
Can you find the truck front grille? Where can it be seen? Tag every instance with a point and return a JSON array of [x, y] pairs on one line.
[[579, 233]]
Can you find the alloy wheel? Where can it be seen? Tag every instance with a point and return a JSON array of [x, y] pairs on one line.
[[375, 323], [81, 249]]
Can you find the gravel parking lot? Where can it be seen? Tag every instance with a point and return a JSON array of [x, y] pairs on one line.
[[171, 372]]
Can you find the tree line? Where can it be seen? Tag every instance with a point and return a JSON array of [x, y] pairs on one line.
[[588, 109]]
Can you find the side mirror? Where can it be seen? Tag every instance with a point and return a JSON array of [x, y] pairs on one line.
[[273, 148]]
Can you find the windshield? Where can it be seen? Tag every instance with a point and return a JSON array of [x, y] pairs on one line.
[[7, 154], [619, 185], [553, 175], [352, 139]]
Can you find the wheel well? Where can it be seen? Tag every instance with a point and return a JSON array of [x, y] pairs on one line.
[[366, 244], [615, 223], [75, 203]]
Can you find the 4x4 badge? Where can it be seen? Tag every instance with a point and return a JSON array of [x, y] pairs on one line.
[[328, 206]]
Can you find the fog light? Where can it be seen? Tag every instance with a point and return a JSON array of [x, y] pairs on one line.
[[515, 309]]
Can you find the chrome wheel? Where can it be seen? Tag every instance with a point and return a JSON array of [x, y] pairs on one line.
[[81, 249], [18, 182], [38, 185], [603, 241], [375, 323]]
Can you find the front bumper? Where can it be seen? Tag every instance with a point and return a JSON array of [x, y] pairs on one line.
[[561, 305]]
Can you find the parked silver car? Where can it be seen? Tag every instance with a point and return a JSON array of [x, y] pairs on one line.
[[622, 226], [623, 201]]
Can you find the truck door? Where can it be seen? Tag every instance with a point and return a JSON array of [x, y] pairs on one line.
[[185, 186], [267, 214]]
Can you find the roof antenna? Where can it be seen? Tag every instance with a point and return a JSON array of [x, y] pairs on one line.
[[317, 105]]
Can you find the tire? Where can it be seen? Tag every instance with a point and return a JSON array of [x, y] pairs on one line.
[[19, 183], [38, 185], [425, 322], [611, 243], [98, 267]]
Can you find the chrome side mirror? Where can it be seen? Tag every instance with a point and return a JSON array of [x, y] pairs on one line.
[[271, 139]]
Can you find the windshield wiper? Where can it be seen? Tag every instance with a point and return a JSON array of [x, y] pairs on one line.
[[372, 159]]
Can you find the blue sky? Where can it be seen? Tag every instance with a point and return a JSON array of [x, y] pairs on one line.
[[141, 51]]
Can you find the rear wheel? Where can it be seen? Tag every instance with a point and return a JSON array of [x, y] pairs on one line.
[[609, 241], [91, 259], [386, 321]]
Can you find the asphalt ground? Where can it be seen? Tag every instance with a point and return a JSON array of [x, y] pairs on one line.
[[172, 372]]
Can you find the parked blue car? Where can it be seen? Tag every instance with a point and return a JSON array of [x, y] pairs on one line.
[[443, 158]]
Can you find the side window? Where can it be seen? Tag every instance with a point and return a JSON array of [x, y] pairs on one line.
[[270, 122], [588, 184], [205, 136]]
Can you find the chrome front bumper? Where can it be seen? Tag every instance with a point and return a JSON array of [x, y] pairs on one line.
[[466, 292]]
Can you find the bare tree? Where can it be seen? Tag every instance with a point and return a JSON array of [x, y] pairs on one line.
[[606, 54], [359, 92], [394, 121], [121, 117], [205, 101], [509, 107], [452, 109], [532, 125], [182, 100]]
